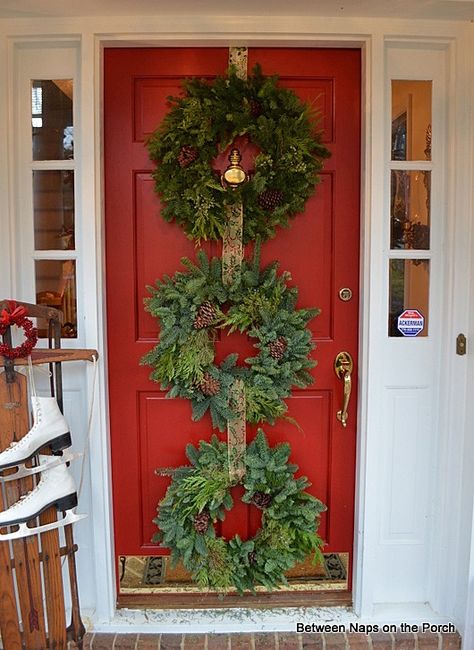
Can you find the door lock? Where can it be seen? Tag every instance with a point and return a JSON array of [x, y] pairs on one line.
[[345, 294], [461, 345]]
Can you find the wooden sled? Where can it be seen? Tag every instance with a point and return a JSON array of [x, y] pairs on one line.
[[32, 592]]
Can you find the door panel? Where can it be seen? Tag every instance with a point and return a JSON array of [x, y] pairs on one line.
[[320, 249], [147, 431]]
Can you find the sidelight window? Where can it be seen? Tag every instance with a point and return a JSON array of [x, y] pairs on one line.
[[53, 191], [410, 170]]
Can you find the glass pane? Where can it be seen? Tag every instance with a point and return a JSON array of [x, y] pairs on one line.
[[409, 298], [56, 287], [53, 209], [411, 120], [410, 209], [51, 119]]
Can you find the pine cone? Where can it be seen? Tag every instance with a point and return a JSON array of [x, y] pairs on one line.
[[278, 348], [209, 386], [255, 108], [201, 522], [187, 155], [205, 315], [252, 557], [270, 199], [262, 500]]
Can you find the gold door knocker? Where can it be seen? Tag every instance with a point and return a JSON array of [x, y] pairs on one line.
[[343, 366]]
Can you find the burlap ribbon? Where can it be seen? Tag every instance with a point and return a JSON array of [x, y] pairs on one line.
[[232, 255]]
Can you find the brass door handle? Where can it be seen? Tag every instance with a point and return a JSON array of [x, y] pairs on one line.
[[343, 366]]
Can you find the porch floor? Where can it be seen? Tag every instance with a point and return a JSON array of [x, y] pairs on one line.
[[272, 641]]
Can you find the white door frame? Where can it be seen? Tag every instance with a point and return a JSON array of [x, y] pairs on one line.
[[364, 44]]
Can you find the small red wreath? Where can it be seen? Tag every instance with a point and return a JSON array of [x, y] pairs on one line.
[[16, 315]]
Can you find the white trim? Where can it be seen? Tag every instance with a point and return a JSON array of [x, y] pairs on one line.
[[262, 620], [453, 396], [468, 634], [53, 164], [232, 30], [461, 406], [423, 359], [372, 197], [96, 331], [359, 574], [28, 65], [350, 41], [6, 261]]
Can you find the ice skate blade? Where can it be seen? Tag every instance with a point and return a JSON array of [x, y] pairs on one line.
[[24, 472], [23, 530]]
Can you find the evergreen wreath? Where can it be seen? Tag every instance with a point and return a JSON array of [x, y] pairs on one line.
[[198, 497], [204, 123], [193, 304]]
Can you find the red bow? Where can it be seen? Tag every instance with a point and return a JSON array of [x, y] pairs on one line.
[[14, 313]]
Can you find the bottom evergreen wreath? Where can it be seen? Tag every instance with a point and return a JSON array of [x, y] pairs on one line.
[[198, 497]]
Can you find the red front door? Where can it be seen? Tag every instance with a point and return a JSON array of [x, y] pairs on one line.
[[320, 249]]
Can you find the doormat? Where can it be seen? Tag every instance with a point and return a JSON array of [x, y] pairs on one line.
[[154, 574]]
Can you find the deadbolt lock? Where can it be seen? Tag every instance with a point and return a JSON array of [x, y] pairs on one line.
[[345, 294]]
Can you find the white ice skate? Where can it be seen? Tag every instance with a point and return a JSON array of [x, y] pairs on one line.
[[49, 429], [55, 488]]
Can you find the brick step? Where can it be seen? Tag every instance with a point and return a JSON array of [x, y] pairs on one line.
[[272, 641]]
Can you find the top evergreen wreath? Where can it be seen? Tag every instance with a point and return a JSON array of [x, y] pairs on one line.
[[204, 122]]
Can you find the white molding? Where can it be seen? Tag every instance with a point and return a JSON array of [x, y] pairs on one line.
[[255, 29], [260, 620], [409, 365], [58, 61], [106, 611], [468, 632], [449, 496], [6, 261], [372, 196], [459, 497], [52, 164], [105, 570]]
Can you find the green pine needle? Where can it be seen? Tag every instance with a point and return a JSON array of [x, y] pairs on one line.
[[289, 521], [207, 120]]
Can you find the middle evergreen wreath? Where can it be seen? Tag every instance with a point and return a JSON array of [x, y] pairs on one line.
[[192, 305]]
